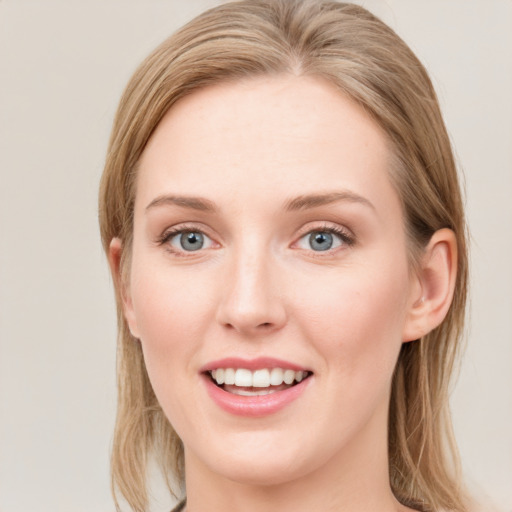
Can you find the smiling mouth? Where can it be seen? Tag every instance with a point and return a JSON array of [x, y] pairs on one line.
[[260, 382]]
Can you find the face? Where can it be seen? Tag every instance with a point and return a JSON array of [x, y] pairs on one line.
[[269, 284]]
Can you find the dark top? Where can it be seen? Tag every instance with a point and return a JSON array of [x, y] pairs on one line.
[[180, 506]]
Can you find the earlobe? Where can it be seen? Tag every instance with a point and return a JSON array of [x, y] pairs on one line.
[[433, 291], [114, 258]]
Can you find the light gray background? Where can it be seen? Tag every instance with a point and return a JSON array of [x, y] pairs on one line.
[[63, 65]]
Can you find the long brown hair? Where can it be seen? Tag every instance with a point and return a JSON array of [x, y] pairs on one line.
[[369, 63]]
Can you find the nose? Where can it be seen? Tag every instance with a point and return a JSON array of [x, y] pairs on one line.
[[252, 302]]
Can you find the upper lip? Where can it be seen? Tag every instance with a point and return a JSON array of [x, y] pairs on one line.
[[251, 364]]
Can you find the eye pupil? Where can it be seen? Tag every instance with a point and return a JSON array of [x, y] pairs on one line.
[[192, 241], [320, 240]]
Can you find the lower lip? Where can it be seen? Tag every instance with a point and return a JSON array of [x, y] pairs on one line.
[[254, 406]]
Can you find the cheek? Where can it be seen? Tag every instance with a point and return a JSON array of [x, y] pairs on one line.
[[356, 328], [172, 313], [167, 299], [357, 318]]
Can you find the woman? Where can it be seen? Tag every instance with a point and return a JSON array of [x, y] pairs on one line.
[[283, 220]]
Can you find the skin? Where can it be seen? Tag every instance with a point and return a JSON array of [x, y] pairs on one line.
[[257, 288]]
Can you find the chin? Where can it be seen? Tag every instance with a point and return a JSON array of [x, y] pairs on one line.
[[264, 464], [262, 473]]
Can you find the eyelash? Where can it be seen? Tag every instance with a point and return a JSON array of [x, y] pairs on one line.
[[168, 235], [346, 237]]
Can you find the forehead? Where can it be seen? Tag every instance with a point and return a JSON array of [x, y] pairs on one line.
[[265, 136]]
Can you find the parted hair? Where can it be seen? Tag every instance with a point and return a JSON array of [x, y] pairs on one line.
[[367, 61]]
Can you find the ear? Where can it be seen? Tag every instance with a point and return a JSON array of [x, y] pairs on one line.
[[115, 252], [432, 291]]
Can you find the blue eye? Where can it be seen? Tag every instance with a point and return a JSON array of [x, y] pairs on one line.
[[320, 241], [323, 240], [189, 241]]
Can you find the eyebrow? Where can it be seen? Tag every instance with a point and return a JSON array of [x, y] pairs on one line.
[[305, 202], [302, 202], [193, 203]]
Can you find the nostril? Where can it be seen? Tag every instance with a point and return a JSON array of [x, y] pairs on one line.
[[265, 326]]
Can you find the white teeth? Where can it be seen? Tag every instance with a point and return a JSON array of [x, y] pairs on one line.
[[243, 378], [276, 376], [244, 392], [229, 376], [262, 378], [219, 376], [289, 376]]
